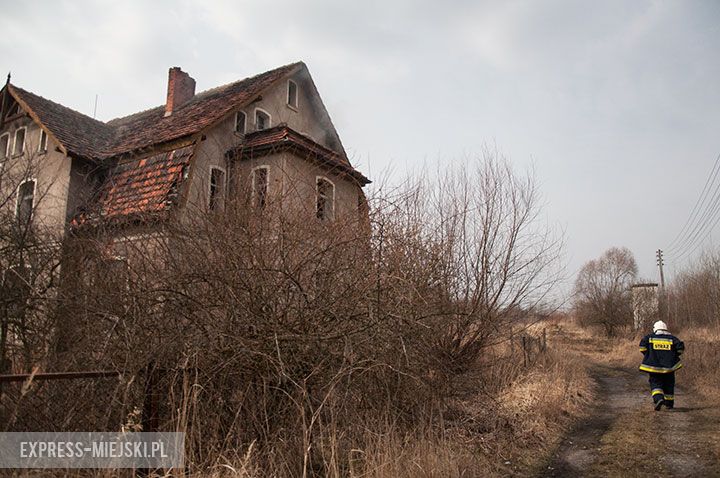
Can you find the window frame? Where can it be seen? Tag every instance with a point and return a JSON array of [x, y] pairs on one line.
[[244, 123], [210, 188], [269, 119], [331, 215], [42, 149], [17, 198], [297, 94], [7, 146], [15, 137], [253, 183]]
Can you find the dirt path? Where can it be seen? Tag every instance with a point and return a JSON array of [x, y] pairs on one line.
[[625, 437]]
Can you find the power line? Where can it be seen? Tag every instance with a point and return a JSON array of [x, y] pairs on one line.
[[702, 228], [699, 203]]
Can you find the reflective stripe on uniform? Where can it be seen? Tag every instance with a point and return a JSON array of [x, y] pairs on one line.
[[669, 397], [643, 349], [650, 368], [657, 391]]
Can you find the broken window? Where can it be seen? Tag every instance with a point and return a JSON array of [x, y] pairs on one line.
[[262, 120], [19, 146], [25, 199], [217, 189], [42, 147], [292, 98], [260, 183], [240, 122], [4, 146], [324, 199]]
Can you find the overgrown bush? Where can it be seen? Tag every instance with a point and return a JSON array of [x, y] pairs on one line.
[[294, 339]]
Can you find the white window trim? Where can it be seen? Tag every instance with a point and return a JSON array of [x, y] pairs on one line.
[[40, 150], [244, 131], [24, 128], [297, 95], [219, 168], [269, 125], [266, 167], [7, 148], [17, 196], [332, 216]]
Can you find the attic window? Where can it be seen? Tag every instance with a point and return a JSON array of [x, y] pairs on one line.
[[262, 120], [217, 189], [14, 110], [292, 98], [4, 146], [42, 146], [240, 122], [324, 199], [19, 145]]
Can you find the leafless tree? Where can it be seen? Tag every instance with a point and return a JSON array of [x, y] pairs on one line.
[[602, 290], [694, 294]]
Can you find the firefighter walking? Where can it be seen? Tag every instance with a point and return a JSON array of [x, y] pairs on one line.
[[661, 358]]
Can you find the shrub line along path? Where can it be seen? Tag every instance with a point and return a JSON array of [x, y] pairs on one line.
[[624, 437]]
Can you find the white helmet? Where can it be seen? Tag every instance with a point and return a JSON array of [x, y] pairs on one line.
[[659, 325]]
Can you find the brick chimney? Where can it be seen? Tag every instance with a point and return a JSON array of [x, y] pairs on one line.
[[181, 89]]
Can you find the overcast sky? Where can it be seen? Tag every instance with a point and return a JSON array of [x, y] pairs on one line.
[[615, 103]]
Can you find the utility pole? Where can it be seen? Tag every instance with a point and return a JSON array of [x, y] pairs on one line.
[[660, 264]]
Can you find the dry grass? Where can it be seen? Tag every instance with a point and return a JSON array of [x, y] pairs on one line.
[[701, 359], [525, 409]]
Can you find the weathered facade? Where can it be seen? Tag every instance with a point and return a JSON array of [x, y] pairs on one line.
[[264, 139]]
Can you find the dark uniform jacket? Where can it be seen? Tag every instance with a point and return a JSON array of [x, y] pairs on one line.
[[661, 353]]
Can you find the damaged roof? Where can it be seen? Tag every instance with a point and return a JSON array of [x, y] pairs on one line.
[[140, 188], [281, 138], [89, 138]]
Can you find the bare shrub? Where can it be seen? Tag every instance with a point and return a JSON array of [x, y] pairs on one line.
[[694, 294], [293, 340]]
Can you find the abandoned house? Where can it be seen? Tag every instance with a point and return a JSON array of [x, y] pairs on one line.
[[268, 138]]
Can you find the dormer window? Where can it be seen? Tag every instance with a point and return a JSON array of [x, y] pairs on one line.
[[292, 94], [240, 120], [262, 119], [4, 146], [42, 145], [19, 145]]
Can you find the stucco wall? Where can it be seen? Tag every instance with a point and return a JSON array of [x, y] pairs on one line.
[[294, 177], [50, 169]]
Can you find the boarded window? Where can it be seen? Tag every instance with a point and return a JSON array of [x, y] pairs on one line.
[[262, 120], [240, 122], [260, 186], [217, 189], [26, 196], [324, 199], [292, 94], [42, 147], [19, 146]]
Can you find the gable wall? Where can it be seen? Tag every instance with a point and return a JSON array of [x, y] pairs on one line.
[[51, 170], [295, 175]]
